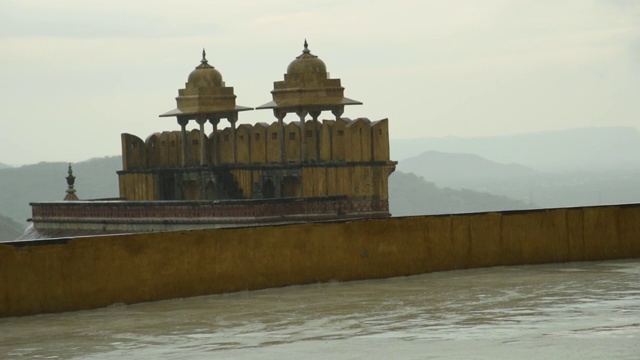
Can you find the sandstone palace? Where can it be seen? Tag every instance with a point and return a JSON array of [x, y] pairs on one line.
[[309, 168]]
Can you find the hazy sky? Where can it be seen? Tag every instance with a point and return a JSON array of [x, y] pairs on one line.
[[76, 73]]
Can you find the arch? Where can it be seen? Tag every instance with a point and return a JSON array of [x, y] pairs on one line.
[[210, 191], [268, 189]]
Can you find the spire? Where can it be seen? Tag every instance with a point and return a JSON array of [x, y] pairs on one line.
[[204, 63], [71, 192], [306, 47]]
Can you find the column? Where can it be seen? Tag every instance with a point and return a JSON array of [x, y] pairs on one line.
[[214, 153], [316, 138], [232, 119], [337, 112], [183, 126], [201, 120], [303, 136], [280, 116]]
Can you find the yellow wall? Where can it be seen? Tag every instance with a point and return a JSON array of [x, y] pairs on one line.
[[86, 273], [342, 140]]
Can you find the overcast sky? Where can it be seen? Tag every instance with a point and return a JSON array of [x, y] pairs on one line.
[[76, 73]]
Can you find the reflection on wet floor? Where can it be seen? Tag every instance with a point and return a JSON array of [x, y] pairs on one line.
[[571, 311]]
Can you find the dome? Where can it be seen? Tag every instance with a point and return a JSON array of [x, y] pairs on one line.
[[306, 63], [205, 75]]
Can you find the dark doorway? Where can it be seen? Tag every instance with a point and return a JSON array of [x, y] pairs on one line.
[[268, 189]]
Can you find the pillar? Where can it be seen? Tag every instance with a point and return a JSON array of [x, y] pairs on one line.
[[232, 119], [280, 116], [303, 136], [337, 112], [183, 127], [316, 140], [214, 154], [201, 120]]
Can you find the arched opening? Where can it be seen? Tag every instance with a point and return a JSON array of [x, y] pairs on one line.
[[268, 189], [210, 191]]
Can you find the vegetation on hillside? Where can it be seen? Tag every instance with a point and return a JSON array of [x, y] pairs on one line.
[[95, 178], [413, 195], [9, 229]]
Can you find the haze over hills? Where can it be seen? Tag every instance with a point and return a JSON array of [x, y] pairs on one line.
[[4, 166], [545, 189], [410, 194], [602, 148], [9, 229], [96, 178], [456, 170]]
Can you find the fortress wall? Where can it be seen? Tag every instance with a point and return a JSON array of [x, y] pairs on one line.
[[292, 143], [193, 147], [225, 149], [85, 273], [273, 143], [243, 140], [324, 138], [342, 140]]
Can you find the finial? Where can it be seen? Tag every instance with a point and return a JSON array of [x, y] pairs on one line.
[[204, 57], [306, 47], [71, 192]]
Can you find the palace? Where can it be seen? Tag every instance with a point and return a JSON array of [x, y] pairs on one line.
[[248, 174]]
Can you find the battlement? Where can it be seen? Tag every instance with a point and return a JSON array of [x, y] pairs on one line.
[[342, 141]]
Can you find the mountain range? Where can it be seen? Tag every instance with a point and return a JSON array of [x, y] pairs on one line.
[[602, 148]]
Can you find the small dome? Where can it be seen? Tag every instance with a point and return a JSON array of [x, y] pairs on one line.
[[205, 75], [307, 63]]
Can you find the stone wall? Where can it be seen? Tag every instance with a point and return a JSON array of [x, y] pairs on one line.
[[359, 140], [91, 217], [92, 272]]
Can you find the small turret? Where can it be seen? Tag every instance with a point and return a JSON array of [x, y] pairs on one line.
[[71, 192]]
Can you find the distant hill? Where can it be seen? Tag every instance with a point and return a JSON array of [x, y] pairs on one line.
[[410, 194], [460, 169], [95, 178], [604, 148], [546, 189], [4, 166], [9, 229]]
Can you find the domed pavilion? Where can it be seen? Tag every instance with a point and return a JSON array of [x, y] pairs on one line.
[[205, 98], [307, 90], [247, 174]]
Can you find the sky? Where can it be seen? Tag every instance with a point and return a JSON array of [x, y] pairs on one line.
[[75, 74]]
